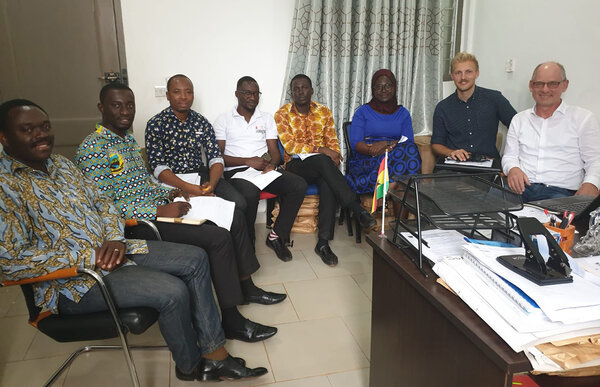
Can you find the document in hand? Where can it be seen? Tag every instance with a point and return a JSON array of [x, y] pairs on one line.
[[258, 178], [217, 210]]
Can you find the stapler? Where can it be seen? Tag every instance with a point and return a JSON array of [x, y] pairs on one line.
[[532, 265]]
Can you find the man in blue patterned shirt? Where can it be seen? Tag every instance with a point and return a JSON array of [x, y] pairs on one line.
[[111, 157], [175, 139], [53, 217]]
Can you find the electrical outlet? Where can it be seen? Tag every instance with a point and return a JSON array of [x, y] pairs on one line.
[[509, 65], [160, 91]]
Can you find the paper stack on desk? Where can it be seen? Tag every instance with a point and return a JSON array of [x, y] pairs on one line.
[[521, 312]]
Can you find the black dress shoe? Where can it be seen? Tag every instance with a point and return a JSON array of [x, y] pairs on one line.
[[280, 248], [327, 256], [366, 220], [265, 298], [250, 332], [228, 369]]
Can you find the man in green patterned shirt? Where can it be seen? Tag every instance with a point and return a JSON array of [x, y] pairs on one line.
[[52, 217]]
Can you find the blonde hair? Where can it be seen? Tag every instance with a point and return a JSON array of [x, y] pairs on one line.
[[463, 57]]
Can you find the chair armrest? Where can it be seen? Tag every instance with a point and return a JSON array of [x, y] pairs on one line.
[[57, 274], [144, 222]]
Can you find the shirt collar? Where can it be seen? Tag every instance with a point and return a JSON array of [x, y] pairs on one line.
[[12, 165], [171, 113], [471, 98], [257, 113], [110, 135], [562, 109], [312, 107]]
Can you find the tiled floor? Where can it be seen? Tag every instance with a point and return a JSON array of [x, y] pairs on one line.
[[323, 339]]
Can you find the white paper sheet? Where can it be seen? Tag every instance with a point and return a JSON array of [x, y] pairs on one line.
[[256, 177], [574, 302], [532, 212], [486, 163], [217, 210], [304, 156], [442, 243]]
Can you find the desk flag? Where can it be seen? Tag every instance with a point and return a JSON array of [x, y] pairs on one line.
[[382, 184]]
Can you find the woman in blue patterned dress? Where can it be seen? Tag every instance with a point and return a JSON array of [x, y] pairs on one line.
[[378, 126]]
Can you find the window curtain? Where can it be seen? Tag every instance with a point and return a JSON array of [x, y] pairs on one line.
[[340, 44]]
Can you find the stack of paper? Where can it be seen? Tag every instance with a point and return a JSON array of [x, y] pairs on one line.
[[521, 312]]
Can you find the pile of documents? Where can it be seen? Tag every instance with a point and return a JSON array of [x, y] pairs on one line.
[[539, 320]]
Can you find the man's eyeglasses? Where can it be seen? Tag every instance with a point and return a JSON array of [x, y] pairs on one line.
[[540, 85], [385, 86], [247, 93]]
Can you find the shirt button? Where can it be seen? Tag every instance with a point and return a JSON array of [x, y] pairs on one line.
[[471, 146], [468, 119], [470, 132], [467, 106]]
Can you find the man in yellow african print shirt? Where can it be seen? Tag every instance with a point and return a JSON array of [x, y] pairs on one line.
[[307, 133]]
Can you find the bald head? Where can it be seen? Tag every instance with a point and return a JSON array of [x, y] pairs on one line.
[[550, 66]]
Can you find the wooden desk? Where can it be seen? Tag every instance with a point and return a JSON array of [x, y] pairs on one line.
[[424, 336]]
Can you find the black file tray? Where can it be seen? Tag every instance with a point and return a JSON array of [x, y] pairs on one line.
[[469, 203]]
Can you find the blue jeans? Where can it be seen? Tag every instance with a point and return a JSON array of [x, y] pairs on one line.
[[170, 278], [539, 191]]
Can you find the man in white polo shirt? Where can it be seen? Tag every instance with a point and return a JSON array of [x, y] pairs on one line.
[[552, 149], [248, 139]]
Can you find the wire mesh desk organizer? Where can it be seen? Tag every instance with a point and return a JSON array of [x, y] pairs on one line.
[[468, 203]]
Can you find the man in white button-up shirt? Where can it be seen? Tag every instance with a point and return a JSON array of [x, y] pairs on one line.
[[553, 149]]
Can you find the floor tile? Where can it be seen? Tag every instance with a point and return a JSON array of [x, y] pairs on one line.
[[365, 281], [313, 348], [320, 381], [255, 356], [360, 327], [327, 297], [283, 312], [11, 297], [352, 260], [273, 270], [356, 378], [31, 372], [15, 338], [109, 369]]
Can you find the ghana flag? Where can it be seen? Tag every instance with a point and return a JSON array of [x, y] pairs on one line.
[[382, 183]]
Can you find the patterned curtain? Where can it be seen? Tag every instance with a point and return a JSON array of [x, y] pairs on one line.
[[339, 44]]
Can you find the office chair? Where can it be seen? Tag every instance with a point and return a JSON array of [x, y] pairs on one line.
[[90, 326]]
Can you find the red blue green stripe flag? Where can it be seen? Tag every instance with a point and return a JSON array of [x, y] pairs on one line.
[[382, 183]]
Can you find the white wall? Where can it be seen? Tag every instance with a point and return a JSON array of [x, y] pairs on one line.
[[212, 42], [217, 42], [531, 32]]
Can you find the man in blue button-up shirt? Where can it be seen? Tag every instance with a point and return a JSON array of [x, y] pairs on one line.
[[467, 121]]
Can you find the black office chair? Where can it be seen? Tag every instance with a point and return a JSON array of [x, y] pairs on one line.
[[89, 326], [345, 213]]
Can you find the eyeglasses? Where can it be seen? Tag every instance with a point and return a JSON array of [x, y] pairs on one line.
[[385, 86], [247, 93], [540, 85]]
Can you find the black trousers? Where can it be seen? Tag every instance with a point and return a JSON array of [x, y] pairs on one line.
[[230, 254], [288, 187], [333, 189]]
